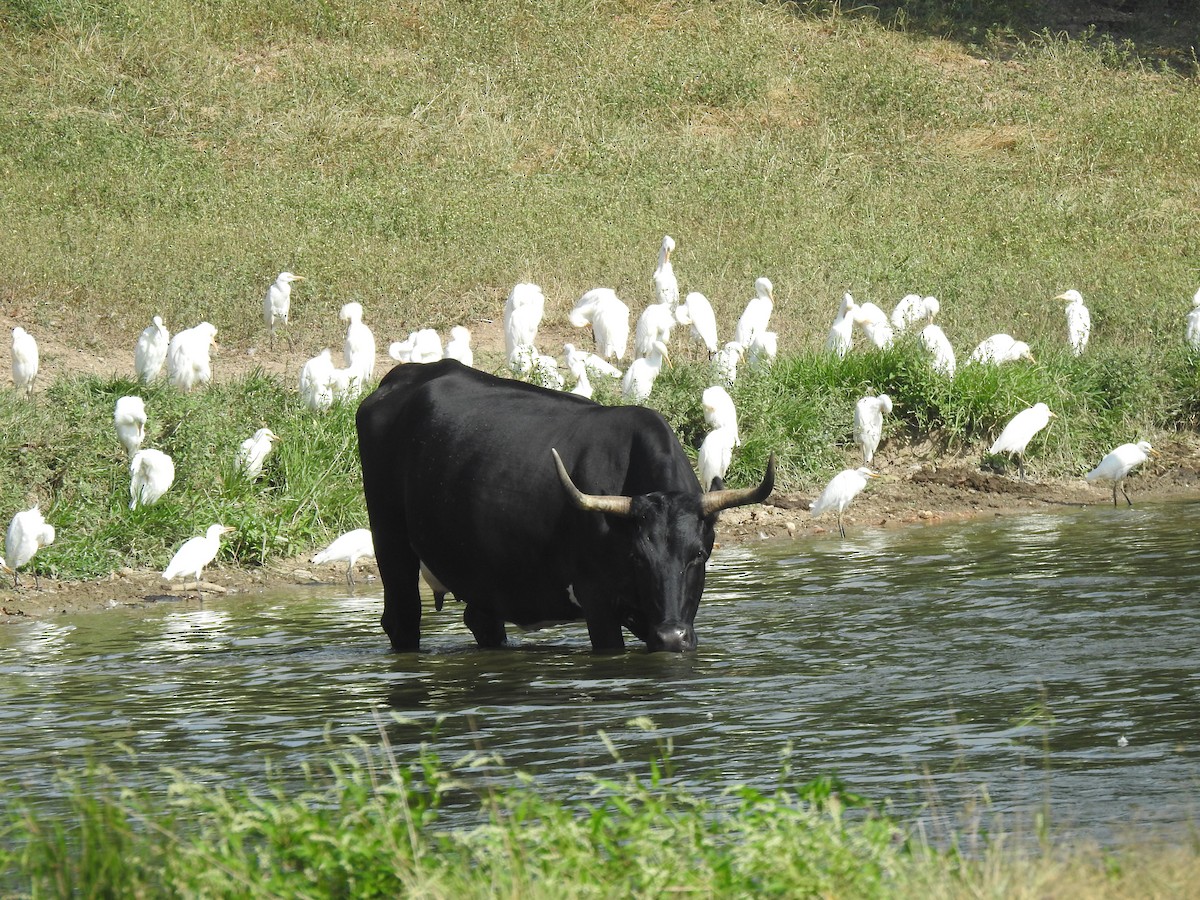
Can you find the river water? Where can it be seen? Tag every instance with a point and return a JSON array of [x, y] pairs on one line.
[[1048, 661]]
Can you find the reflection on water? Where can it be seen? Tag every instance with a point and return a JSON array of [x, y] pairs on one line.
[[1049, 658]]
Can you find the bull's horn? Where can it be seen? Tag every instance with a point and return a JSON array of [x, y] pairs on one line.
[[614, 506], [714, 501]]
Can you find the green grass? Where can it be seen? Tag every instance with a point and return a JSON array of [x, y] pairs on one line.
[[367, 824]]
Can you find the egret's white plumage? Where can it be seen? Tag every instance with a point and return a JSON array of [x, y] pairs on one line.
[[459, 346], [666, 285], [277, 302], [642, 372], [253, 452], [195, 553], [654, 324], [725, 363], [999, 349], [715, 455], [28, 532], [913, 309], [346, 384], [609, 317], [868, 423], [757, 315], [151, 474], [719, 411], [422, 346], [842, 488], [129, 418], [1079, 320], [1192, 328], [1020, 431], [523, 312], [936, 343], [358, 350], [150, 352], [1117, 465], [583, 386], [316, 381], [579, 360], [348, 548], [24, 361], [697, 312], [875, 325], [763, 351], [188, 361], [841, 333]]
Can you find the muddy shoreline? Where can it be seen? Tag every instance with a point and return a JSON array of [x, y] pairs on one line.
[[912, 492]]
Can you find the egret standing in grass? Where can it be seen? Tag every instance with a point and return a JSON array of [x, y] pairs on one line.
[[841, 332], [1117, 465], [253, 453], [725, 363], [129, 418], [719, 411], [188, 361], [348, 548], [756, 317], [459, 346], [150, 352], [935, 342], [277, 302], [875, 325], [1192, 329], [715, 455], [316, 381], [523, 311], [666, 284], [151, 474], [28, 532], [24, 362], [913, 309], [842, 488], [358, 349], [763, 351], [1079, 320], [868, 423], [1020, 431], [194, 554], [656, 321], [698, 312], [642, 372], [999, 349], [608, 317]]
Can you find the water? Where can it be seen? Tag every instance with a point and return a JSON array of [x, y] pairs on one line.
[[1046, 660]]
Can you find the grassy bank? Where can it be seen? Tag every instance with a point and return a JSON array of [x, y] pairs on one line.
[[63, 452], [369, 825]]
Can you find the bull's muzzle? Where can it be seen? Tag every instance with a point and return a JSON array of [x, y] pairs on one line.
[[675, 638]]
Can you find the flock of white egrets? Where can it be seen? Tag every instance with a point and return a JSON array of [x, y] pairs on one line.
[[186, 357]]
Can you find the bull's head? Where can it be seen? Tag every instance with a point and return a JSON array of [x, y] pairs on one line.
[[672, 539]]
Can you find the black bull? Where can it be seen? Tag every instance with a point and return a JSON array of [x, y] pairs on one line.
[[533, 506]]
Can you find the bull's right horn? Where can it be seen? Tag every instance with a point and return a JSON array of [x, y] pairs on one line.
[[613, 505], [715, 501]]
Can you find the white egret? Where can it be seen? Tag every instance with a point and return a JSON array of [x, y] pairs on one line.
[[719, 411], [544, 371], [1192, 329], [188, 362], [697, 312], [129, 418], [999, 349], [459, 345], [1079, 320], [150, 352], [348, 548], [578, 360], [151, 474], [608, 317], [715, 455], [725, 363], [757, 314], [642, 372], [24, 361], [654, 324], [841, 333], [935, 342], [194, 554], [253, 452], [316, 381], [666, 285], [875, 325], [28, 532], [358, 350], [868, 423], [1117, 465], [345, 384], [1020, 431], [763, 351], [523, 312], [583, 386], [277, 302], [426, 346], [842, 488], [913, 309]]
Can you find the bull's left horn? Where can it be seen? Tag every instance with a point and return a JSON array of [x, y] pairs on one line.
[[614, 506], [714, 501]]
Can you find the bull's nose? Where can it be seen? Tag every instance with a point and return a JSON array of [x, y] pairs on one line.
[[676, 638]]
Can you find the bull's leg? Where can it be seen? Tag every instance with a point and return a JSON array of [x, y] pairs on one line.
[[488, 630], [605, 634], [399, 569]]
